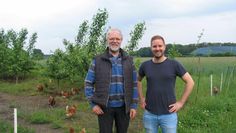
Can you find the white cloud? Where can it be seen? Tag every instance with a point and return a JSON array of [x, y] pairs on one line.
[[179, 21], [26, 13], [217, 28]]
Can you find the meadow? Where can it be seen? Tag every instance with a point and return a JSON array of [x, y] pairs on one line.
[[202, 113]]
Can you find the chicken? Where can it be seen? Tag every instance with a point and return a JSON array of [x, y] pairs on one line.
[[70, 110], [74, 91], [65, 94], [83, 130], [215, 90], [72, 130], [51, 101], [40, 87]]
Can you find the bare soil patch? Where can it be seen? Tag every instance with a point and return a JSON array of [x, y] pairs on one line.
[[25, 104]]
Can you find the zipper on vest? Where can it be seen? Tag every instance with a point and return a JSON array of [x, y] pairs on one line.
[[109, 85], [124, 85]]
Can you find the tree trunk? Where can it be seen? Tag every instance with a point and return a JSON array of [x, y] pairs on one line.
[[58, 81], [17, 78]]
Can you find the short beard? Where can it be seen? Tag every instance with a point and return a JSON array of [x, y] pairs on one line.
[[159, 56]]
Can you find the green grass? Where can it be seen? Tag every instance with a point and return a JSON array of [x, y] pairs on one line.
[[201, 114], [209, 113], [12, 88], [39, 117], [6, 127]]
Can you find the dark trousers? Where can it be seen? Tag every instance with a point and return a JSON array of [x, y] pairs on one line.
[[116, 114]]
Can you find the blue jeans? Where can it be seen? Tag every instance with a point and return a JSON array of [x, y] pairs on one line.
[[168, 122]]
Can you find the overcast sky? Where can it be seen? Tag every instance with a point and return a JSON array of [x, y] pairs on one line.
[[178, 21]]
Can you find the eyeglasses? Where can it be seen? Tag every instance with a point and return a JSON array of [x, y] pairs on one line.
[[115, 39]]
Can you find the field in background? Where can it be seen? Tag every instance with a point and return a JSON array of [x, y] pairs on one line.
[[203, 113]]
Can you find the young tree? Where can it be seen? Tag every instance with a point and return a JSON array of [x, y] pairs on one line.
[[173, 52], [56, 66], [81, 36], [4, 54], [96, 30], [32, 41], [136, 35], [18, 60], [90, 41]]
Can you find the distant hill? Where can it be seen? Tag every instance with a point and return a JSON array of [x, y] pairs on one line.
[[214, 50]]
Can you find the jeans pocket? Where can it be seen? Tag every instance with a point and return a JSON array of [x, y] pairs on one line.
[[150, 122]]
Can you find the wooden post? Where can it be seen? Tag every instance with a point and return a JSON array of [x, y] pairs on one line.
[[211, 84], [221, 81], [15, 120]]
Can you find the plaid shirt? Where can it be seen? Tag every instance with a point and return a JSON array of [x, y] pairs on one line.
[[116, 90]]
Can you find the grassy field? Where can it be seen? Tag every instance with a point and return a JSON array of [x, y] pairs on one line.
[[203, 113], [206, 113]]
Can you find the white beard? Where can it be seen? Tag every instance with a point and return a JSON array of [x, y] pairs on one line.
[[114, 49]]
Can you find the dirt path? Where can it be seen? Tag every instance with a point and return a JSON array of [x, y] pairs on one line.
[[25, 104]]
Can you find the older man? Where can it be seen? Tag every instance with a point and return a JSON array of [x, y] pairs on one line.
[[111, 86]]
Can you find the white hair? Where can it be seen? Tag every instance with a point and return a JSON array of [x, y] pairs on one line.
[[113, 29]]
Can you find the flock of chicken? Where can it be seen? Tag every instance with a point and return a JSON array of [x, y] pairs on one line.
[[70, 110]]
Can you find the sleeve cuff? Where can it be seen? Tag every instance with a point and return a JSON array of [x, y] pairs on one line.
[[134, 106], [92, 105]]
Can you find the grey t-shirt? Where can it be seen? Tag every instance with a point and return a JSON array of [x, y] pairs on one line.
[[161, 79]]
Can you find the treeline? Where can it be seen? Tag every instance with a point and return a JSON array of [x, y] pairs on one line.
[[182, 50]]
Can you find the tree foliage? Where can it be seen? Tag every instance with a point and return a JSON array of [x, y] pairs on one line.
[[96, 31], [57, 66], [89, 42], [81, 36], [136, 35], [173, 52], [15, 59], [186, 50], [37, 54]]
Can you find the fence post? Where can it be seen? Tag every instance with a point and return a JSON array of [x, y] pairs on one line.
[[15, 120], [221, 81], [211, 84]]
